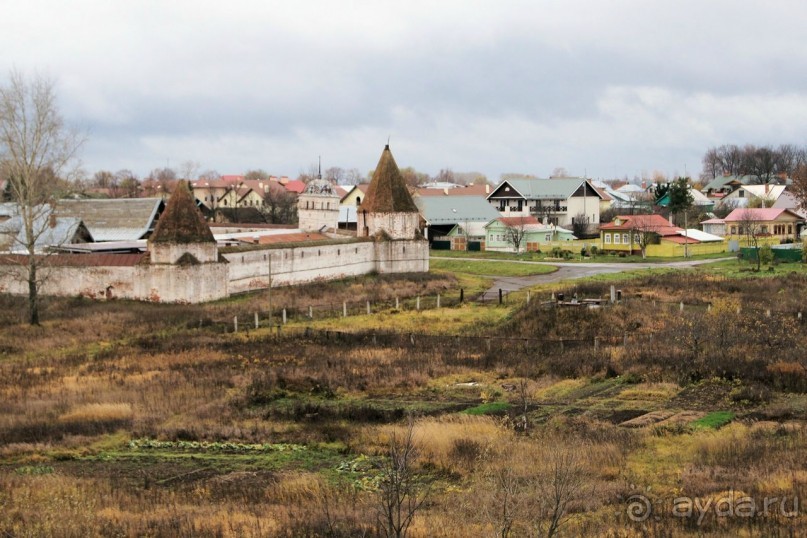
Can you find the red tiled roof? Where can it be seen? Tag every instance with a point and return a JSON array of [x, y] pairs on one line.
[[518, 221], [295, 186], [680, 239], [763, 214], [632, 221]]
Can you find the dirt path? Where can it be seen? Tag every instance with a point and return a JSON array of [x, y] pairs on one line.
[[569, 271]]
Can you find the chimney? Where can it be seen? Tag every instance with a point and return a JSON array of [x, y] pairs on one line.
[[52, 219], [487, 188], [644, 185]]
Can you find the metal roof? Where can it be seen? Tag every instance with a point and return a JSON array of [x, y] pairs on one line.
[[119, 219], [455, 209], [555, 188]]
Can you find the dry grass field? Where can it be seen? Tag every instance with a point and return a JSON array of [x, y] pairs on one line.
[[128, 419]]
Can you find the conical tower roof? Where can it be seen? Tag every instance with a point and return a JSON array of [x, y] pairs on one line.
[[181, 221], [387, 192]]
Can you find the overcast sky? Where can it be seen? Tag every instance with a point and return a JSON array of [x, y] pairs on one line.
[[606, 88]]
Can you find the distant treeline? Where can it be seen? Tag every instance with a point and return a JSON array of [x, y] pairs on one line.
[[765, 162]]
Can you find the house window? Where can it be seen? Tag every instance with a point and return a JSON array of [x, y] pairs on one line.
[[741, 194], [616, 239], [733, 230], [548, 237], [607, 239], [764, 229], [636, 239], [502, 205], [625, 239], [789, 229]]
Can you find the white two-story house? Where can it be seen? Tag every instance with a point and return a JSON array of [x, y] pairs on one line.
[[558, 201]]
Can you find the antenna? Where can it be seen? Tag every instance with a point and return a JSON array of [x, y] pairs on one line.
[[388, 137], [319, 166]]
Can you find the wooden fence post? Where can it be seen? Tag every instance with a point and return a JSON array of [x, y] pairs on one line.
[[257, 322], [438, 300], [500, 296], [344, 309], [396, 303], [528, 296], [284, 316], [417, 303], [310, 312], [596, 343], [235, 324], [368, 308]]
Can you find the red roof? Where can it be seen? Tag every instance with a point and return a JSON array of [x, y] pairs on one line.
[[680, 239], [518, 221], [295, 186], [762, 214], [628, 222]]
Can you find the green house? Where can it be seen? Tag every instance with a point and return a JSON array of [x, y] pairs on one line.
[[500, 234]]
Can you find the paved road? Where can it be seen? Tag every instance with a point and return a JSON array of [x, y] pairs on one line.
[[568, 271]]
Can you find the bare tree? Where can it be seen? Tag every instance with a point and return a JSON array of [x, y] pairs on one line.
[[259, 174], [279, 205], [751, 228], [563, 482], [335, 175], [560, 171], [188, 170], [36, 146], [644, 232], [799, 187], [353, 176], [210, 175], [515, 232], [402, 490]]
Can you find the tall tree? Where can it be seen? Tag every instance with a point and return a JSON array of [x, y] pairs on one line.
[[36, 147], [681, 201]]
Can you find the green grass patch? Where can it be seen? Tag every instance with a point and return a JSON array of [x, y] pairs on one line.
[[490, 408], [498, 268], [745, 269], [713, 420]]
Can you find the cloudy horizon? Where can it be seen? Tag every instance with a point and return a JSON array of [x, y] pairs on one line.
[[606, 89]]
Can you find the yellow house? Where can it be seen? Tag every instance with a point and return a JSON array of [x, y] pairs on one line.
[[770, 222]]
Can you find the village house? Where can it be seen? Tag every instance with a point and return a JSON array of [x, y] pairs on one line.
[[556, 201], [630, 234], [502, 233], [772, 222]]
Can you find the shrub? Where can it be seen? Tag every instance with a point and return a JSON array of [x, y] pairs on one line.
[[766, 255]]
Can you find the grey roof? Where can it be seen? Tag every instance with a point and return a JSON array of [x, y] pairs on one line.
[[119, 219], [720, 181], [46, 232], [537, 189], [455, 209], [320, 187]]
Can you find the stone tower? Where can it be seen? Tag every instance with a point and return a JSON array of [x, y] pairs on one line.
[[318, 207], [388, 208], [182, 236]]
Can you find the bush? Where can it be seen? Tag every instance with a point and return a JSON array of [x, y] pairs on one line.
[[766, 255], [594, 250]]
